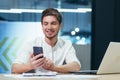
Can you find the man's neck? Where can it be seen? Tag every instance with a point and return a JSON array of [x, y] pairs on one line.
[[52, 41]]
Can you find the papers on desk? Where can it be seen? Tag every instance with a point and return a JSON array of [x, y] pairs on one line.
[[57, 77], [40, 74]]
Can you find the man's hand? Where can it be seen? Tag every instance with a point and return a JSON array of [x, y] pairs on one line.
[[48, 64], [36, 62]]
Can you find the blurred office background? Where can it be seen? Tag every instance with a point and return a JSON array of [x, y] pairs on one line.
[[89, 24], [20, 22]]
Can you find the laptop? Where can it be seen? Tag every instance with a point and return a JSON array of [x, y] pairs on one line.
[[110, 63]]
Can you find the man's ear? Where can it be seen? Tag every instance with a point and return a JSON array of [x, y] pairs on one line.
[[60, 25]]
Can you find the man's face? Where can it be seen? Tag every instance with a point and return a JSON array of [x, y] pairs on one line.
[[50, 26]]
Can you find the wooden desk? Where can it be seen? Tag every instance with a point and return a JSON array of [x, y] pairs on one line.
[[110, 77], [57, 77], [61, 77]]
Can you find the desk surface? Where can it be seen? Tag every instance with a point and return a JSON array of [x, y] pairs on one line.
[[61, 77]]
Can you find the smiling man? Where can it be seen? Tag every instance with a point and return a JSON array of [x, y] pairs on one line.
[[56, 51]]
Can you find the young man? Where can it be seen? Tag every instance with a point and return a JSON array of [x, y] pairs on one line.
[[56, 51]]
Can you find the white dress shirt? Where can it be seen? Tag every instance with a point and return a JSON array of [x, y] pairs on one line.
[[62, 52]]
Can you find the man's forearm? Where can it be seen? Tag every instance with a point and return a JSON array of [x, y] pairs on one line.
[[74, 66], [20, 68]]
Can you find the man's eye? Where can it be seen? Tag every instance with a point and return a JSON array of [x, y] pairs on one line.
[[54, 23], [45, 23]]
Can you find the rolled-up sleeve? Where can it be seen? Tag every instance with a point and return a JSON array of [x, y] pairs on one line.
[[24, 55], [71, 54]]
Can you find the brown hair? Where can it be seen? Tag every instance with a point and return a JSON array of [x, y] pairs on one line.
[[52, 12]]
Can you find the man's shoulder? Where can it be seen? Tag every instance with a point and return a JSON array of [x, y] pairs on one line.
[[36, 41], [64, 41], [39, 39]]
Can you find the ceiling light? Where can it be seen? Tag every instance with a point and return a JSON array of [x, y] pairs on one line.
[[28, 10], [9, 11], [73, 32], [79, 10], [77, 29]]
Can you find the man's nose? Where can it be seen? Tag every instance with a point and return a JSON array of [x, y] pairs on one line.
[[49, 26]]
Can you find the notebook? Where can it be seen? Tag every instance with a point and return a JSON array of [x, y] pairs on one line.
[[110, 63], [40, 74]]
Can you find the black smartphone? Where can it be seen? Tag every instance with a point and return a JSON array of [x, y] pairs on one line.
[[37, 50]]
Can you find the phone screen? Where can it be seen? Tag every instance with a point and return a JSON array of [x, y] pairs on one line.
[[37, 50]]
